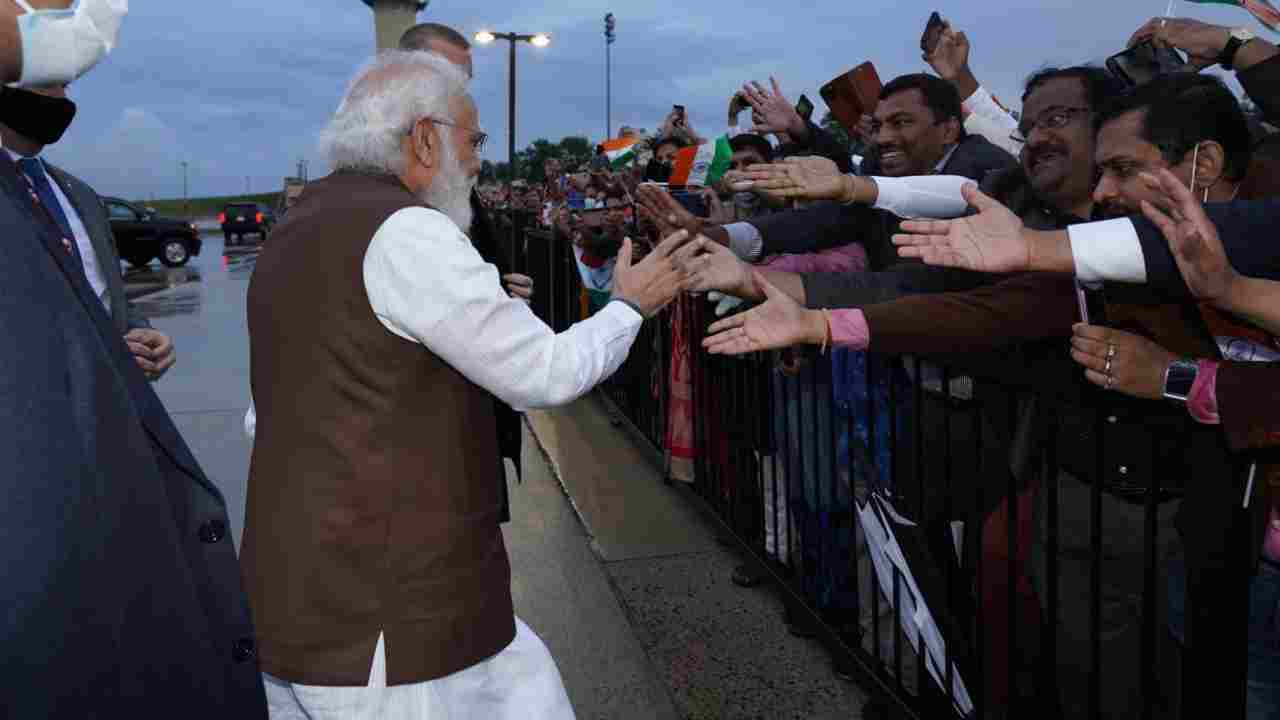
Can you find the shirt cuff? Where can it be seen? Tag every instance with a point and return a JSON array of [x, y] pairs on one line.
[[1107, 250], [745, 240], [1202, 401], [849, 329]]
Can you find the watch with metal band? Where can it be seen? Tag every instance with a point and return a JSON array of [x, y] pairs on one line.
[[1178, 379], [1236, 39]]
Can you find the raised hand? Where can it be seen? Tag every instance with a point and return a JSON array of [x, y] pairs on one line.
[[1201, 41], [665, 212], [950, 57], [993, 240], [1192, 237], [777, 323], [808, 178], [773, 113]]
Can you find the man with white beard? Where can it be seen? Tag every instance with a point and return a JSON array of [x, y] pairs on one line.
[[372, 553]]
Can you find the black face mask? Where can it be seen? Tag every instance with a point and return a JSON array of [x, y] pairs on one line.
[[657, 171], [36, 117]]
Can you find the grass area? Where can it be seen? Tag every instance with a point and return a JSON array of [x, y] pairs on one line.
[[206, 207]]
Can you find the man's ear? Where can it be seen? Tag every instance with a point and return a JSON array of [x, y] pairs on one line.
[[1211, 164], [951, 131], [423, 143]]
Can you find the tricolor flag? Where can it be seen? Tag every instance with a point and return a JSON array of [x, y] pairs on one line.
[[702, 165], [620, 151], [1263, 10]]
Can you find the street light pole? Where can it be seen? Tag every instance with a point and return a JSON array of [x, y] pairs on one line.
[[485, 37], [608, 75], [186, 206]]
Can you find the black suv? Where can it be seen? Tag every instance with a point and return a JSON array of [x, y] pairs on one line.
[[240, 219], [142, 236]]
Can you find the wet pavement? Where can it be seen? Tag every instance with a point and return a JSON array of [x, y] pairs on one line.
[[558, 583]]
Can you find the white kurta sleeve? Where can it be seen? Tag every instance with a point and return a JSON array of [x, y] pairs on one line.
[[1107, 250], [427, 284], [922, 196]]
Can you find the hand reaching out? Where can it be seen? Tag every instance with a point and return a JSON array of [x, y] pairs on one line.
[[777, 323], [1192, 237], [990, 241], [808, 178], [773, 113]]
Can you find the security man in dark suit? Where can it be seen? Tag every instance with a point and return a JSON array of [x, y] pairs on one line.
[[30, 120], [121, 588]]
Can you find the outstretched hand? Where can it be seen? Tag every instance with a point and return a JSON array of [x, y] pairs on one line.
[[655, 281], [808, 178], [773, 113], [991, 241], [665, 212], [777, 323]]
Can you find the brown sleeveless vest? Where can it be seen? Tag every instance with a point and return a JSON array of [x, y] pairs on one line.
[[374, 498]]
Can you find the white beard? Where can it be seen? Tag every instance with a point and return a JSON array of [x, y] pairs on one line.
[[450, 192]]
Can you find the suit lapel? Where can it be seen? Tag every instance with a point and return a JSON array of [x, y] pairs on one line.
[[150, 410], [102, 248]]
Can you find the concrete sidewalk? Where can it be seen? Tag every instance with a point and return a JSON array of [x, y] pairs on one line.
[[721, 651]]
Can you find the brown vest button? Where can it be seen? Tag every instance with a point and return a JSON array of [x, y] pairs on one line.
[[243, 650], [213, 532]]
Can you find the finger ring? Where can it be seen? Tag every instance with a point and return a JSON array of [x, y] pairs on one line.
[[1106, 369], [1111, 350]]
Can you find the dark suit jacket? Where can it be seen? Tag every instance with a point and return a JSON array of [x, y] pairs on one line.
[[94, 216], [121, 589], [1262, 84], [484, 237]]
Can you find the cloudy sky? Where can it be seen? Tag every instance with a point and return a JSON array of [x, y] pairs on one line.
[[239, 88]]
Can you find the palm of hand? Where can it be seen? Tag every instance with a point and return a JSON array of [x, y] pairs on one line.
[[723, 272], [1203, 265], [778, 323], [990, 241]]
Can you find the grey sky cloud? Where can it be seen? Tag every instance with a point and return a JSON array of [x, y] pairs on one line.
[[240, 87]]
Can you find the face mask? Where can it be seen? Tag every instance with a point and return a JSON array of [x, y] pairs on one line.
[[59, 46], [36, 117]]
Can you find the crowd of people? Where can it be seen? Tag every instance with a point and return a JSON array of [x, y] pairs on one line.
[[1100, 254], [1109, 233]]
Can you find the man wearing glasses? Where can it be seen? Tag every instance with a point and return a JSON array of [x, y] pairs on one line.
[[380, 339]]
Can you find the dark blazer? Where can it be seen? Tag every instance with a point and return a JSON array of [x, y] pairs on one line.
[[484, 236], [121, 587], [827, 224], [94, 216]]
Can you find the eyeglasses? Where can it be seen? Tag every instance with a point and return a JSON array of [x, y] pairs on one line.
[[1054, 118], [477, 138]]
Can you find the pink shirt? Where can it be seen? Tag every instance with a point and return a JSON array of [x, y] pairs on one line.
[[848, 327]]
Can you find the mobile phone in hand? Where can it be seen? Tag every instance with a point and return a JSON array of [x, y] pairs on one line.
[[932, 33], [804, 108], [1144, 62], [853, 94]]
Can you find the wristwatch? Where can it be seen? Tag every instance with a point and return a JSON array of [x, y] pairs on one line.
[[1178, 379], [1236, 39]]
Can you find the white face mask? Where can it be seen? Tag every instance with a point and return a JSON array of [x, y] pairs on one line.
[[59, 46]]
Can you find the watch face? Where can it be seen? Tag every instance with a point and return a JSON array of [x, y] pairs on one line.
[[1243, 34]]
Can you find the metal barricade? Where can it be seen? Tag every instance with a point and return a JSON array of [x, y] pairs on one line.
[[968, 543]]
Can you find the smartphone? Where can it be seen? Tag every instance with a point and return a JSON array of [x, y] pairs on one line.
[[853, 94], [688, 199], [739, 104], [804, 108], [1143, 62], [932, 33], [1092, 308]]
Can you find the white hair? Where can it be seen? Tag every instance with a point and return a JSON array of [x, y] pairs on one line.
[[388, 95]]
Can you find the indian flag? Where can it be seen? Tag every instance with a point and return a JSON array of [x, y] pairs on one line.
[[702, 165], [620, 151], [1263, 10]]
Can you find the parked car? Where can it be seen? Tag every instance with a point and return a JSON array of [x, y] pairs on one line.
[[141, 235], [244, 218]]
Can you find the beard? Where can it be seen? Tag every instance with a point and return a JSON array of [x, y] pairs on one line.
[[450, 192]]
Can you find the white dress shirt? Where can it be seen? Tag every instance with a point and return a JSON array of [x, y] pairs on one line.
[[427, 284], [92, 270], [991, 120]]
